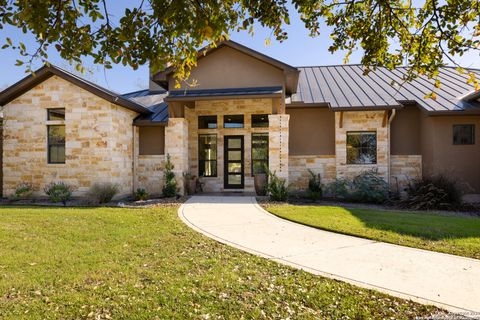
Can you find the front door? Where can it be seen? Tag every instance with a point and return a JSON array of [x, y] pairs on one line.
[[233, 167]]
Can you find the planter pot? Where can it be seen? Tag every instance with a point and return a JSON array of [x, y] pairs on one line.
[[192, 186], [260, 182]]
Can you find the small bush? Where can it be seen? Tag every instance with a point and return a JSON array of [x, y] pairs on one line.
[[23, 191], [170, 186], [314, 191], [369, 187], [141, 194], [58, 192], [276, 188], [432, 193], [338, 189], [102, 193]]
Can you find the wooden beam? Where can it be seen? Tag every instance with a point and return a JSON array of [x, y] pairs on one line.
[[340, 122]]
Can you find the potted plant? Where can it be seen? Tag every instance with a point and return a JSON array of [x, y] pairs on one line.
[[260, 183], [190, 182]]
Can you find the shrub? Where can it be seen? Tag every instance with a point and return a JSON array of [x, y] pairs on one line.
[[58, 192], [369, 187], [23, 191], [276, 188], [141, 194], [170, 186], [338, 189], [314, 191], [432, 193], [102, 193]]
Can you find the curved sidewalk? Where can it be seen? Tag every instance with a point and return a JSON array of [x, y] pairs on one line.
[[447, 281]]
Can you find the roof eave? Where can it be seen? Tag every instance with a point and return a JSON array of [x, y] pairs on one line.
[[45, 72]]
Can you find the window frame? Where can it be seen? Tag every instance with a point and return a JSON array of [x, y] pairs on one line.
[[200, 160], [50, 144], [266, 160], [265, 124], [233, 115], [207, 116], [463, 125], [375, 148]]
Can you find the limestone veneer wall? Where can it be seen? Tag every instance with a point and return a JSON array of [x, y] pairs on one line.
[[404, 168], [98, 145], [149, 173], [247, 107], [361, 121], [299, 165]]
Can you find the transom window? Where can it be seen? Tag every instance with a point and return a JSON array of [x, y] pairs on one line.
[[362, 147], [233, 121], [463, 134], [207, 155], [207, 122], [259, 120], [55, 114], [259, 152]]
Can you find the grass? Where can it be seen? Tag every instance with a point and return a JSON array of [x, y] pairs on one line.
[[459, 235], [109, 263]]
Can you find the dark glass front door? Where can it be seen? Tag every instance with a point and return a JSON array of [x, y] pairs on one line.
[[234, 169]]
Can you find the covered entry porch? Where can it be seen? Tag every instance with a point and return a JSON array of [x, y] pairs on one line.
[[225, 139]]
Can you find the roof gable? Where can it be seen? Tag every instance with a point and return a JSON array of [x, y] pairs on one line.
[[46, 72], [289, 73]]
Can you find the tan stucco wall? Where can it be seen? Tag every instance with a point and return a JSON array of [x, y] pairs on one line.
[[230, 68], [152, 140], [98, 141], [405, 131], [361, 121], [247, 107], [441, 156], [312, 131]]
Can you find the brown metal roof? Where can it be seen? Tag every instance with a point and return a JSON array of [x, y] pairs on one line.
[[46, 72], [344, 87]]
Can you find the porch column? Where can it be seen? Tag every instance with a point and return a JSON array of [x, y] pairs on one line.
[[176, 145], [278, 145]]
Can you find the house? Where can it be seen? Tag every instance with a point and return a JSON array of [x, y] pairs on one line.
[[244, 111]]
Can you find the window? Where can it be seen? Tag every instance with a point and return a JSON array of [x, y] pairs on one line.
[[259, 152], [56, 143], [464, 134], [55, 114], [259, 120], [361, 147], [207, 122], [207, 155], [233, 121]]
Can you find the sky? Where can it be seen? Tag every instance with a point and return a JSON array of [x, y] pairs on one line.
[[298, 50]]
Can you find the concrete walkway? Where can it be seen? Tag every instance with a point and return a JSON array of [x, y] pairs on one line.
[[444, 280]]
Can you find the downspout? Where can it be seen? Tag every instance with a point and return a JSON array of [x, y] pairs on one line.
[[390, 119]]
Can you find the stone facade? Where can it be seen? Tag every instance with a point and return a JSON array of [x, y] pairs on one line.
[[278, 144], [149, 173], [361, 121], [299, 166], [402, 169], [246, 107], [176, 146], [98, 146]]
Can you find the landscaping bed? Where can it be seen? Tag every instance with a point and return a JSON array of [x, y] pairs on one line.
[[119, 263]]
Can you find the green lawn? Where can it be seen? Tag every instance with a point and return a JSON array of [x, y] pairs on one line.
[[458, 235], [58, 263]]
